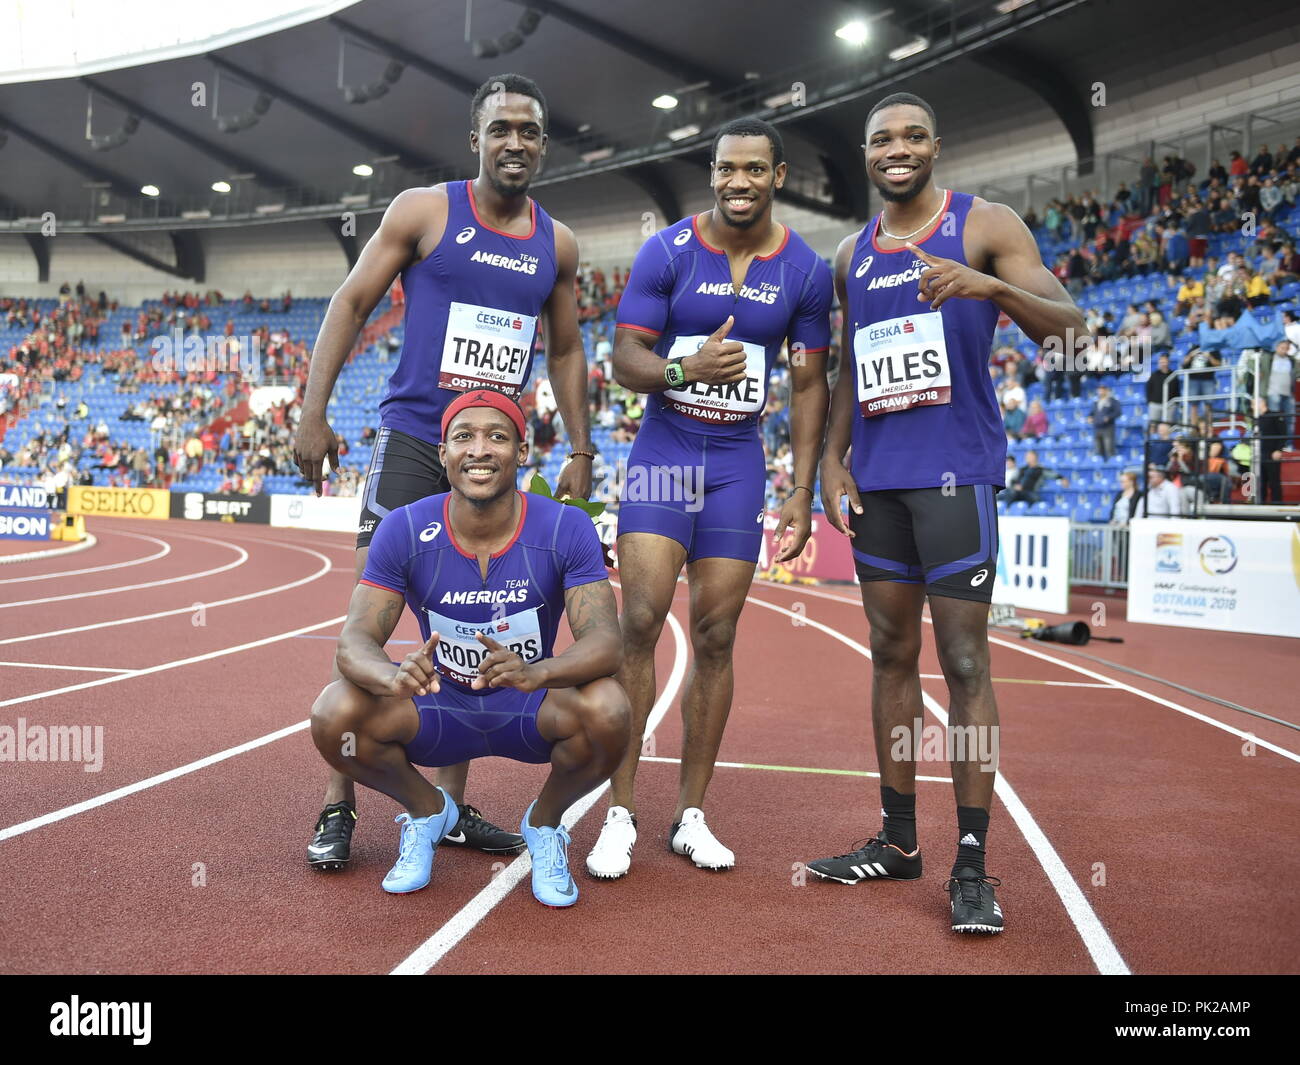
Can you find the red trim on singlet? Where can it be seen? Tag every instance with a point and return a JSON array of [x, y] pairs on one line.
[[446, 520], [784, 241], [695, 225], [918, 241], [695, 220], [532, 206], [381, 587], [639, 329]]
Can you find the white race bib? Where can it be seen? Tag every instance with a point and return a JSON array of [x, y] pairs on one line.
[[459, 653], [902, 363], [486, 346], [720, 403]]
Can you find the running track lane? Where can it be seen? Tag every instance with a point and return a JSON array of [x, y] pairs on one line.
[[1110, 777], [111, 889], [712, 939]]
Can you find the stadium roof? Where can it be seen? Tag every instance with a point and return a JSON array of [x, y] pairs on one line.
[[270, 116]]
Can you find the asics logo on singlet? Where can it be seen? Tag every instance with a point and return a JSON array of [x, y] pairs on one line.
[[474, 598], [465, 235], [682, 237], [432, 530], [894, 280], [525, 265], [979, 578], [864, 266]]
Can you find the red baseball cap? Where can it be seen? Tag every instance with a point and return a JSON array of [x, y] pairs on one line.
[[484, 397]]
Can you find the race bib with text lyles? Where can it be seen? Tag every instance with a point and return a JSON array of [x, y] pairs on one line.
[[459, 653], [486, 346], [902, 363], [720, 403]]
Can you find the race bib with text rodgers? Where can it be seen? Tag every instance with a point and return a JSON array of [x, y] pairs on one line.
[[902, 363], [720, 403], [459, 652], [486, 346]]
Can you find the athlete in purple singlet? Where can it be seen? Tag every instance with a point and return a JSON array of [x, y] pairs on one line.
[[487, 570], [709, 303], [482, 266], [921, 287]]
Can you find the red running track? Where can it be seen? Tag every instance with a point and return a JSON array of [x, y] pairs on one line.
[[1109, 831]]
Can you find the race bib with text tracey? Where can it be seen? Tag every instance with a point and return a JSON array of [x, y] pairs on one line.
[[720, 403], [459, 653], [485, 346], [902, 363]]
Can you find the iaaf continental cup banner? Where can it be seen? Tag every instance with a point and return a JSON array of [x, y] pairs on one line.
[[1033, 569], [826, 556], [1234, 576]]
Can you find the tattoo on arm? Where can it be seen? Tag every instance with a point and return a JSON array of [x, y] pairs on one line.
[[591, 608], [389, 614]]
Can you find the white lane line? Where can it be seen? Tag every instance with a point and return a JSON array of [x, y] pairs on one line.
[[325, 568], [1030, 680], [1108, 682], [80, 669], [171, 774], [243, 557], [1111, 682], [48, 553], [166, 549], [141, 785], [433, 949], [1104, 953], [795, 769], [147, 670]]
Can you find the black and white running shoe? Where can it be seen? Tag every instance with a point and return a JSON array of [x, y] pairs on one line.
[[331, 847], [472, 830], [974, 909], [873, 859]]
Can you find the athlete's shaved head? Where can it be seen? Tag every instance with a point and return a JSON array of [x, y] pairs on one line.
[[897, 98], [751, 127], [505, 83]]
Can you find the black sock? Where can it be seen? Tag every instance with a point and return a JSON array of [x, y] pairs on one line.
[[972, 827], [900, 819]]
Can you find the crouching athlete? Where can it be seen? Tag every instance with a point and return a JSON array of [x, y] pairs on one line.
[[487, 571]]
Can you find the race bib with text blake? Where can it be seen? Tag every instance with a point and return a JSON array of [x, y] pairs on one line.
[[902, 363], [486, 346], [720, 403]]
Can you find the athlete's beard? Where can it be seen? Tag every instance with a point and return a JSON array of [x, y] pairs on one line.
[[484, 504], [893, 195], [506, 192], [742, 223]]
